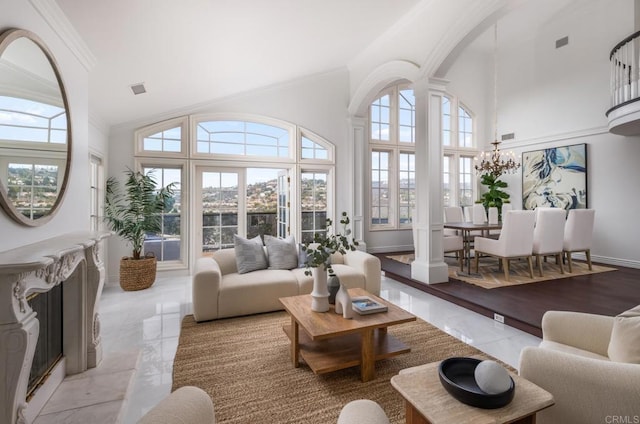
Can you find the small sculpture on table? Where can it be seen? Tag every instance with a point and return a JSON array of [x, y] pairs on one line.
[[343, 303]]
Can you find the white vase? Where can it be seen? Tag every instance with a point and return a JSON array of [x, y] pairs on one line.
[[343, 303], [320, 293], [493, 215]]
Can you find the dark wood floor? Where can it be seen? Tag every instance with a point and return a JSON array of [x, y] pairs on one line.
[[522, 306]]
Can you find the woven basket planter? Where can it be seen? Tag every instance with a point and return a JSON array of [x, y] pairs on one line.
[[137, 274]]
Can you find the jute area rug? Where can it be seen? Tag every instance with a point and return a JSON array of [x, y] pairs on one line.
[[491, 276], [244, 364]]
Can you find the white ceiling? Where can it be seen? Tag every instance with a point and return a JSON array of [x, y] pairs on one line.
[[195, 51]]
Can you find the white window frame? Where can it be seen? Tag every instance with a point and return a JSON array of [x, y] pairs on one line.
[[97, 192], [182, 164], [455, 152], [189, 160], [394, 147], [141, 133]]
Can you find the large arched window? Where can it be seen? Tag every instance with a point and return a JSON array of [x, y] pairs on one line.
[[392, 159], [459, 146], [245, 175]]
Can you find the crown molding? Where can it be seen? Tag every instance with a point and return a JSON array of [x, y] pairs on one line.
[[552, 138], [61, 25]]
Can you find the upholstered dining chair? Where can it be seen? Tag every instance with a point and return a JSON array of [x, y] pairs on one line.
[[515, 241], [479, 214], [578, 234], [548, 235], [452, 214], [453, 244]]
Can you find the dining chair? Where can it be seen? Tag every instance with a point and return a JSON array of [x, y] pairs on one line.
[[452, 214], [548, 235], [515, 241], [479, 214], [506, 207], [454, 244], [578, 234]]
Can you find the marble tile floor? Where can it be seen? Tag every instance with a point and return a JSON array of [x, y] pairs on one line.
[[140, 335]]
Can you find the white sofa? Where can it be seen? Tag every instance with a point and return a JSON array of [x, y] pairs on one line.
[[219, 291], [574, 364]]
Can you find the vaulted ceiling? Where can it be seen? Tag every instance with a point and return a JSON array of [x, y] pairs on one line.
[[196, 51]]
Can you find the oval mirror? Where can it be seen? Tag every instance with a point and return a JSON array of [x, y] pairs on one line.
[[35, 129]]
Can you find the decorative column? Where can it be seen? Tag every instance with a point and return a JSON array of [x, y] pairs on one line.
[[429, 266], [358, 133], [72, 260]]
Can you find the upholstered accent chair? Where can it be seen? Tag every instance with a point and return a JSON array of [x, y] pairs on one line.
[[548, 235], [578, 234], [589, 363], [186, 405], [515, 241]]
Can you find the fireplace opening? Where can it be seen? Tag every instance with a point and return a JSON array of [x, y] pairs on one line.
[[48, 307]]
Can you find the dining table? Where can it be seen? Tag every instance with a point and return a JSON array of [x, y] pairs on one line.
[[465, 229]]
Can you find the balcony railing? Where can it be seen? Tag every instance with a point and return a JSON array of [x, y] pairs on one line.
[[625, 72], [624, 109]]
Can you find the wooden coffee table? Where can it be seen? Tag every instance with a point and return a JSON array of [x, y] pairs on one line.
[[427, 401], [328, 342]]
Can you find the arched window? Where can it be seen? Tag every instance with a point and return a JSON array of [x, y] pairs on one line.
[[392, 158], [459, 150], [253, 176]]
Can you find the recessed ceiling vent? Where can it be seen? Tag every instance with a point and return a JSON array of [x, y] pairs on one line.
[[509, 136], [561, 42], [138, 88]]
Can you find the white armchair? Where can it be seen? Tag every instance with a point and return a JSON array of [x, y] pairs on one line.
[[572, 364], [515, 241], [186, 405]]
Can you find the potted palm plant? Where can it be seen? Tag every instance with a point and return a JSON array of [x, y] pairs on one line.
[[132, 212]]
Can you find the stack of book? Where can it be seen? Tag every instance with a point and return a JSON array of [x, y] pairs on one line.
[[365, 305]]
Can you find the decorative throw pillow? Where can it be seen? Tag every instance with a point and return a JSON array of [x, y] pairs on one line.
[[281, 253], [624, 345], [249, 254]]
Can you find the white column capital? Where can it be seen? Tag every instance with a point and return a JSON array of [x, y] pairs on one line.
[[426, 85]]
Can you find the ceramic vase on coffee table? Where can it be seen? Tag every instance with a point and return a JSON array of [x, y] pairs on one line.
[[320, 292]]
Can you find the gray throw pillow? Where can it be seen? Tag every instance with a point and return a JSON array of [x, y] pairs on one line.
[[281, 253], [249, 254]]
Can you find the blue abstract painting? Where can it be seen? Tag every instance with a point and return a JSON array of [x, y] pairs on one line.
[[555, 177]]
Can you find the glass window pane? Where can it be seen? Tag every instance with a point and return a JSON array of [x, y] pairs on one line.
[[242, 138]]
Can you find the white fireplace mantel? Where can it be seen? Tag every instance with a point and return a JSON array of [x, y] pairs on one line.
[[74, 259]]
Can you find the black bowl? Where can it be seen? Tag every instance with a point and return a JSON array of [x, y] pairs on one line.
[[457, 377]]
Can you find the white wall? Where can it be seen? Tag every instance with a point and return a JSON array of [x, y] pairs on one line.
[[318, 103], [73, 214], [553, 97]]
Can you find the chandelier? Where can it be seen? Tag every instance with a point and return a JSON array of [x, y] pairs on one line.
[[495, 162]]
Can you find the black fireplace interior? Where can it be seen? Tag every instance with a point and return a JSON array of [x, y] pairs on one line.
[[48, 307]]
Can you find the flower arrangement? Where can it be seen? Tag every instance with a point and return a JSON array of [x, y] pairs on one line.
[[325, 244]]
